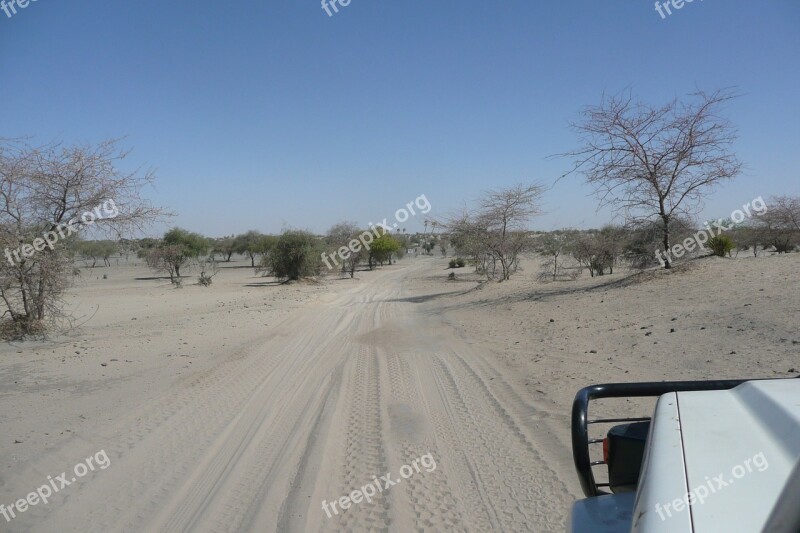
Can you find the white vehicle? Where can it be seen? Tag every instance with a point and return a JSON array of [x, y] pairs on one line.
[[716, 457]]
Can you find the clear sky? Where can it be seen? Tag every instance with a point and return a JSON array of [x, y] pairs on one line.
[[260, 114]]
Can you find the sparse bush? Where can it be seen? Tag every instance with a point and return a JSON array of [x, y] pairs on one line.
[[14, 330], [721, 245], [457, 263], [784, 247], [451, 276], [208, 269], [644, 239]]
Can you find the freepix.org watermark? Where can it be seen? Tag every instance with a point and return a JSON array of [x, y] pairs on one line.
[[698, 495], [54, 485], [756, 207], [331, 7], [106, 210], [365, 239], [378, 485], [9, 7], [665, 8]]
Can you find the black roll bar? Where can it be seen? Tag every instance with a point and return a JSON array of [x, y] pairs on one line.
[[580, 417]]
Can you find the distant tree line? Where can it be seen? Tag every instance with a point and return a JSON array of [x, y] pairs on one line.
[[653, 164]]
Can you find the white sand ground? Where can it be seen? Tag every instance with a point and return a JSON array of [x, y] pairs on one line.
[[242, 406]]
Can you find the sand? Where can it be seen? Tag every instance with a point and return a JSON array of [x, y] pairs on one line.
[[243, 406]]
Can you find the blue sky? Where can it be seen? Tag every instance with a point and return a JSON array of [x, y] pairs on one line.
[[265, 114]]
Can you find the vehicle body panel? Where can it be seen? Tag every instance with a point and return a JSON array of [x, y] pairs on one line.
[[663, 467], [732, 454]]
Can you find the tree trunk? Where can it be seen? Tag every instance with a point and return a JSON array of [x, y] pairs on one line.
[[555, 267]]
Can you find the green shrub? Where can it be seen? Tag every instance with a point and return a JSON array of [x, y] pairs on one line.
[[295, 255], [460, 262], [452, 263], [721, 245]]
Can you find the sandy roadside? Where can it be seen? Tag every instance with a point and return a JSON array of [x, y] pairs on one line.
[[709, 319], [134, 338], [244, 406]]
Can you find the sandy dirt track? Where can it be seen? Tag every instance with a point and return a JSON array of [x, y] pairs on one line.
[[349, 386]]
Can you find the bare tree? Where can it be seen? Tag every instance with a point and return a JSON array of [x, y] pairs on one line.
[[552, 245], [496, 232], [786, 211], [504, 215], [656, 162], [340, 235], [354, 259], [467, 239], [46, 194], [780, 225]]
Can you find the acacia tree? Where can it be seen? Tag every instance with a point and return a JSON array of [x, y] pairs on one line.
[[467, 239], [496, 233], [599, 250], [503, 216], [786, 211], [176, 249], [656, 162], [340, 235], [552, 245], [225, 246], [48, 193], [251, 243], [97, 250], [382, 248], [780, 224]]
